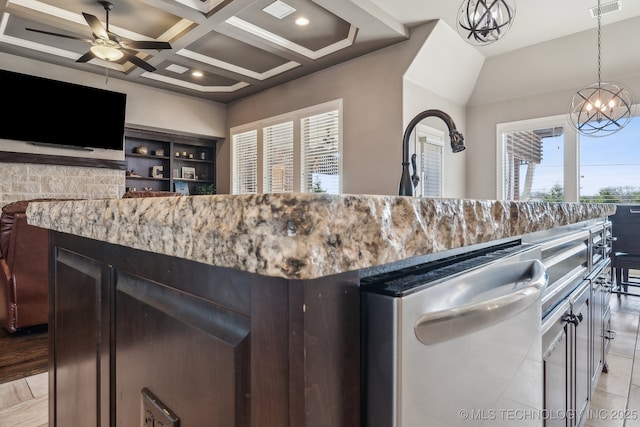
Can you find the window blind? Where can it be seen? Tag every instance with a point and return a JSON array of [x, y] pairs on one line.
[[320, 153], [431, 168], [245, 162], [278, 158]]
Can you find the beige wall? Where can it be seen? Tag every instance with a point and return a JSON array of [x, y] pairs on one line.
[[540, 81], [378, 102], [417, 99], [371, 89]]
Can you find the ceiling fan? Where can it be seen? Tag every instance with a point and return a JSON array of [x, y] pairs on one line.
[[109, 46]]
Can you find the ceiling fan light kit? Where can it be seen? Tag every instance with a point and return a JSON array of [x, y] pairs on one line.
[[106, 52], [109, 46], [482, 22], [601, 109]]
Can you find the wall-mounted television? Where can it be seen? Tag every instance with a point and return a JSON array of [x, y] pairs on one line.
[[51, 112]]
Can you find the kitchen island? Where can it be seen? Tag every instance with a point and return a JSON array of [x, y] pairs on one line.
[[238, 310]]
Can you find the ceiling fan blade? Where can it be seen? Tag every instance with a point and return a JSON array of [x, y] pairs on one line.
[[86, 57], [131, 57], [59, 35], [144, 44], [96, 26]]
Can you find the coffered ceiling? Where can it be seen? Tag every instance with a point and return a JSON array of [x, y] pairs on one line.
[[241, 48], [238, 46]]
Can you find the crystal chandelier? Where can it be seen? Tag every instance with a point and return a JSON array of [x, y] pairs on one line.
[[601, 109], [482, 22]]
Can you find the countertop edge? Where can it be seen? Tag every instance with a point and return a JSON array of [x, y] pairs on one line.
[[303, 236]]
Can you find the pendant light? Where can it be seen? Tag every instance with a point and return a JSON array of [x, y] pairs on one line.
[[482, 22], [601, 109]]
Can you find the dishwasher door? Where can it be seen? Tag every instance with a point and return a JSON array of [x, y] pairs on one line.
[[462, 352]]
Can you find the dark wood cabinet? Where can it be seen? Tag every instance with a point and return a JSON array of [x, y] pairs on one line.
[[158, 161], [215, 346], [79, 309]]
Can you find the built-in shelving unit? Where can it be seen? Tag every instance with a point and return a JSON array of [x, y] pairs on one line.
[[170, 162]]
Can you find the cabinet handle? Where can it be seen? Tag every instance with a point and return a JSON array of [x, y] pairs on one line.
[[570, 318], [443, 325], [573, 319]]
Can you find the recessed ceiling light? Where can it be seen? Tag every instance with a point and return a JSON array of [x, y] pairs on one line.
[[177, 68], [197, 74], [279, 9], [302, 21]]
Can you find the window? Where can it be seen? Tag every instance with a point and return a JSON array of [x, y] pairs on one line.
[[278, 158], [544, 159], [298, 151], [244, 162], [610, 166], [532, 161], [320, 153], [429, 143]]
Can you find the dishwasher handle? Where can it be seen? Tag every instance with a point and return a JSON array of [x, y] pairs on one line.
[[444, 325]]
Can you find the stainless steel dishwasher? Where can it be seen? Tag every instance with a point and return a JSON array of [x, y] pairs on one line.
[[455, 342]]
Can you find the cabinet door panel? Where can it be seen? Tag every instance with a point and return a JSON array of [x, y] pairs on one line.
[[80, 337], [556, 381], [582, 371], [191, 353]]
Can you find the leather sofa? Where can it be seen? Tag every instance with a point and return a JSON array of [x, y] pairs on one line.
[[25, 273], [24, 264]]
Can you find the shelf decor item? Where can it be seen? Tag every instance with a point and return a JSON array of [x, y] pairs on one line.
[[188, 172], [142, 150], [182, 188], [159, 152], [205, 189], [157, 171]]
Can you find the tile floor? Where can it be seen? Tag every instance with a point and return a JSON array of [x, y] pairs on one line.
[[616, 402]]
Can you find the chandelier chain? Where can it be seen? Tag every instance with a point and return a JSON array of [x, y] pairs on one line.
[[601, 109], [599, 45]]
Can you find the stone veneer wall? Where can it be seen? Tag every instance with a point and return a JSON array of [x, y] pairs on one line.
[[23, 181]]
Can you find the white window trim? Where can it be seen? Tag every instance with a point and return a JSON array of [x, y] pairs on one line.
[[571, 154], [294, 116]]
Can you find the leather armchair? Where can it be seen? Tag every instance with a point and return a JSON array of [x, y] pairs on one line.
[[24, 278]]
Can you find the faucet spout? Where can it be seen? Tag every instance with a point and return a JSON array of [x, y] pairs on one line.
[[457, 144]]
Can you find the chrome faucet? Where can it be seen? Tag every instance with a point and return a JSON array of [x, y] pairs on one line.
[[457, 144]]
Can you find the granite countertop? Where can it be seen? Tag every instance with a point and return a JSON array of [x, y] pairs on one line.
[[303, 236]]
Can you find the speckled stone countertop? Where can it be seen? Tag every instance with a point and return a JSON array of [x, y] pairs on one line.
[[303, 236]]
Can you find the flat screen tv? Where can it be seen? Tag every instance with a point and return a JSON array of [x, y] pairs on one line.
[[51, 112]]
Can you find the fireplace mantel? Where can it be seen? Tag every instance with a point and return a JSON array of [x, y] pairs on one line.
[[48, 159]]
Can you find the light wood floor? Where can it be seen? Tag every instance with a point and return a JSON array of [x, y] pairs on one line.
[[616, 402], [24, 402]]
